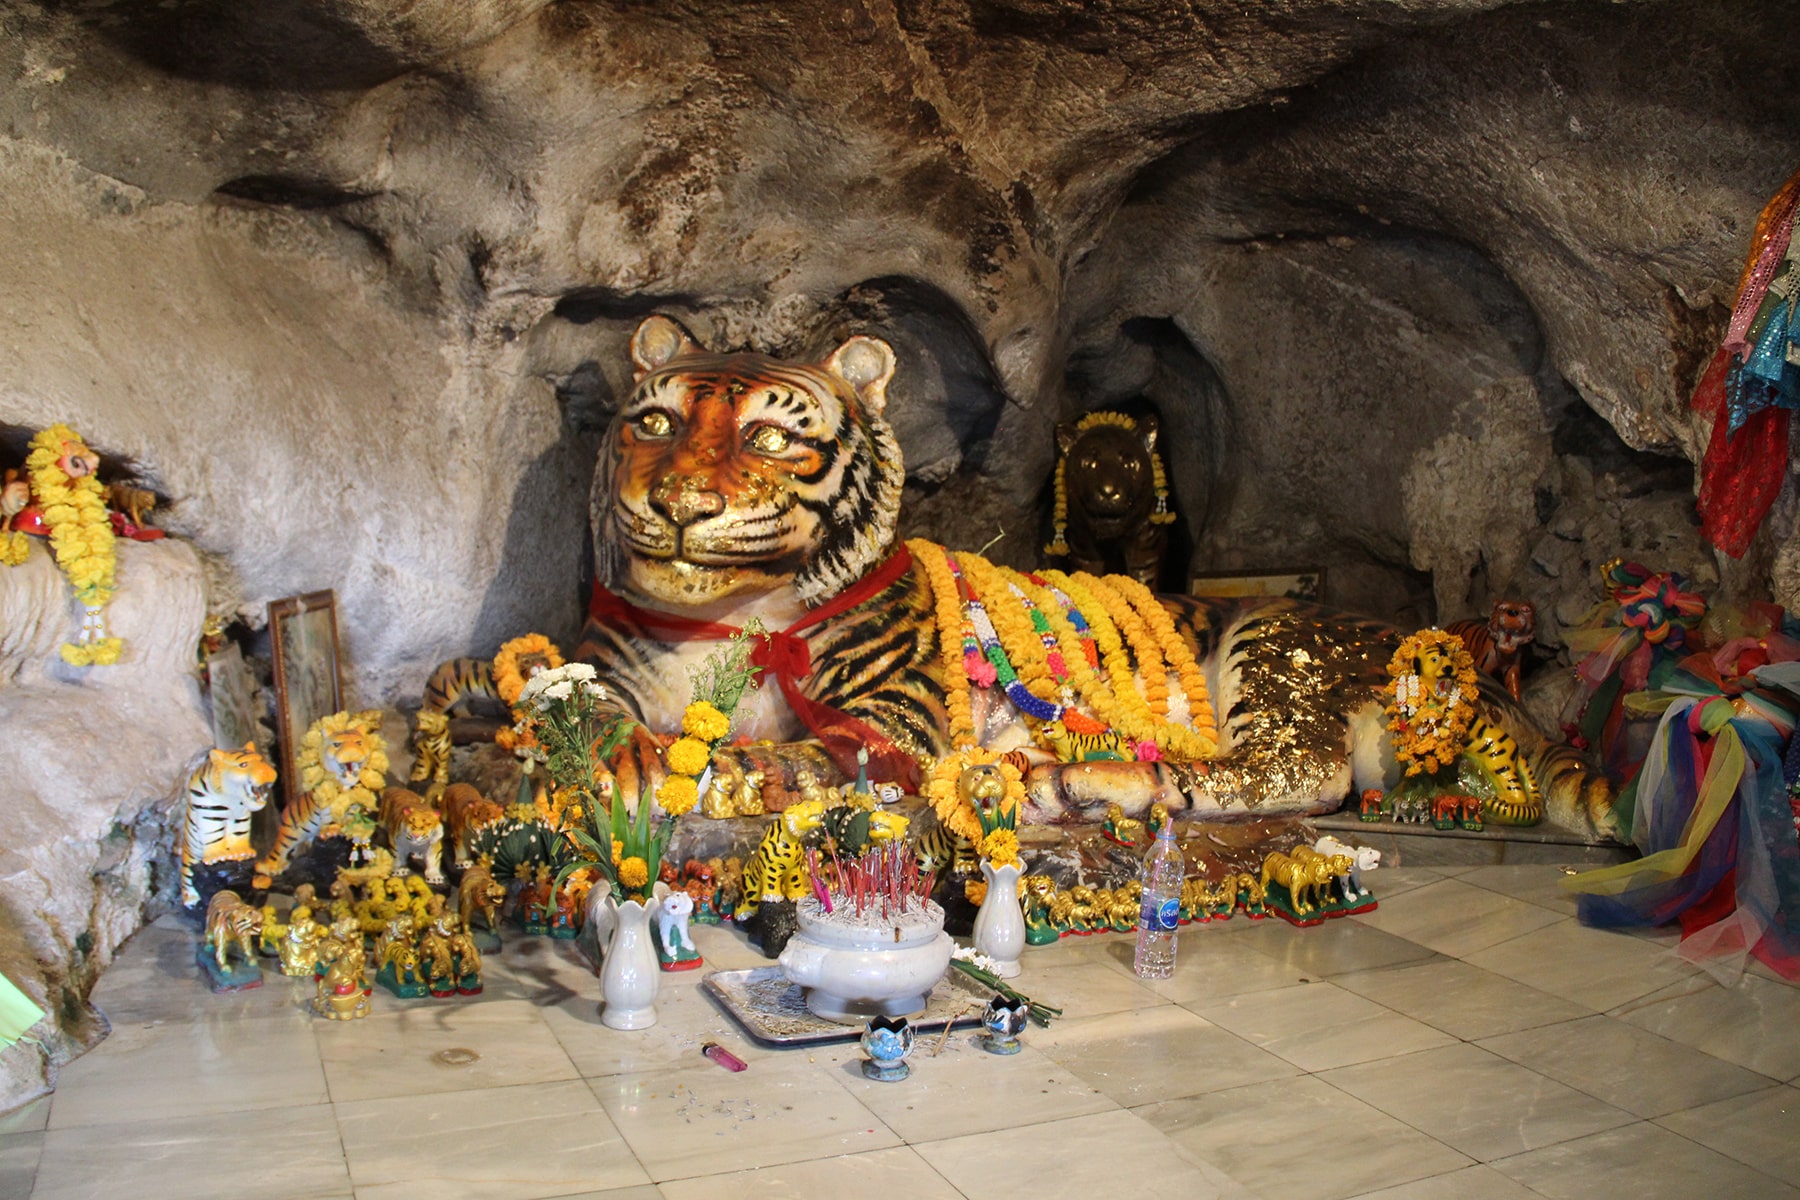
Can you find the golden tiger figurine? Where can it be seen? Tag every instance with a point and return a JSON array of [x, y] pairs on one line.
[[739, 486]]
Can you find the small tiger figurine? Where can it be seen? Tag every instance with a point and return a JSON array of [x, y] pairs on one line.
[[343, 764], [466, 813], [768, 873], [431, 742], [1498, 646], [415, 830], [230, 922], [222, 794], [480, 893], [1073, 747]]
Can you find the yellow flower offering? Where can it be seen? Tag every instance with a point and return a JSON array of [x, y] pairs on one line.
[[678, 795], [704, 722], [634, 873], [689, 756], [1001, 848]]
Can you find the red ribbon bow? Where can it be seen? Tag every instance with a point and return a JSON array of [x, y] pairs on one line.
[[786, 655]]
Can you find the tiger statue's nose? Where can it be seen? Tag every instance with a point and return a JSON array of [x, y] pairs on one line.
[[683, 501]]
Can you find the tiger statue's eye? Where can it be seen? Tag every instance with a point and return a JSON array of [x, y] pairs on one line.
[[770, 439], [655, 424]]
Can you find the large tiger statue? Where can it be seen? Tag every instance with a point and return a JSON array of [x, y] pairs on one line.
[[739, 486], [223, 793]]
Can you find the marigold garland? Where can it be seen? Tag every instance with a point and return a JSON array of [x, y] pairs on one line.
[[1431, 728], [509, 673], [322, 784], [73, 509], [1176, 653], [1145, 651], [949, 612]]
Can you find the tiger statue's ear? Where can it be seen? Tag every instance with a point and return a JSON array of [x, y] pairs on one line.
[[866, 364], [1066, 433], [250, 747], [657, 341]]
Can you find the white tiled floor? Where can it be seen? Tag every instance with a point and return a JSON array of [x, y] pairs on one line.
[[1467, 1039]]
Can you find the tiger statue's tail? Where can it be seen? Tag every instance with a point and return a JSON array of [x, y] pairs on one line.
[[462, 682]]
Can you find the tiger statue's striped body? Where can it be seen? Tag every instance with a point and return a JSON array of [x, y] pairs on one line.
[[739, 486], [343, 764], [222, 795], [230, 922], [415, 830]]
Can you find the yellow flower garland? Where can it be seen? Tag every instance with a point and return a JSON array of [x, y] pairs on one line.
[[1120, 704], [703, 727], [1144, 648], [1176, 653], [994, 584], [81, 537], [932, 558], [1430, 732]]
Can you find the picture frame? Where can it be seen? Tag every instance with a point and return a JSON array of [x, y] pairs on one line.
[[1297, 583], [304, 639]]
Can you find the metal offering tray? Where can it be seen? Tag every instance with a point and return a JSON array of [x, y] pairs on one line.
[[773, 1011]]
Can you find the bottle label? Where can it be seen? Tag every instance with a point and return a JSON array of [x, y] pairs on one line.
[[1159, 918]]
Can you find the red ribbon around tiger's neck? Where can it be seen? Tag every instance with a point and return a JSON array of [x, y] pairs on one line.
[[785, 655]]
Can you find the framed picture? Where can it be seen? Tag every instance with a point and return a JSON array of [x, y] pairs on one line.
[[303, 632], [1298, 583]]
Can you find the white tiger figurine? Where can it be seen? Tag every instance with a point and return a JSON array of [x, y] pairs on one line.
[[222, 795], [1362, 859], [672, 916]]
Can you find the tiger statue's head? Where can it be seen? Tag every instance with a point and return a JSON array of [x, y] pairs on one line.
[[1512, 625], [736, 474], [241, 777]]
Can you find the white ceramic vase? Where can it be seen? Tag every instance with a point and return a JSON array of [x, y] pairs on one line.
[[629, 977], [1000, 922]]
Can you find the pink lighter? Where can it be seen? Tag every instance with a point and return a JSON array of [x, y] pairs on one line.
[[722, 1056]]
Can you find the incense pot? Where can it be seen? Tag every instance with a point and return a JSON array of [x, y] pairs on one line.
[[856, 964]]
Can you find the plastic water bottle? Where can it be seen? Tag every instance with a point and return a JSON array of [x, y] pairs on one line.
[[1164, 869]]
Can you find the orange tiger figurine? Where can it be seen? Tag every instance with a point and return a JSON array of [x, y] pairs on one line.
[[1498, 646]]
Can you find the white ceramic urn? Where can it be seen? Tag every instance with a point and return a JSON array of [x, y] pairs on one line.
[[855, 967]]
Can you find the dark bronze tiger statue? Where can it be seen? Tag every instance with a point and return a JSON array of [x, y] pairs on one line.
[[733, 486]]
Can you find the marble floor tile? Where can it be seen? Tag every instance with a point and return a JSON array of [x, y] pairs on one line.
[[508, 1143], [1454, 918], [1389, 881], [1534, 883], [1759, 1129], [644, 1191], [1249, 1133], [1085, 987], [410, 1047], [157, 978], [1156, 1054], [1475, 1101], [707, 1121], [686, 1018], [1465, 1002], [217, 1063], [964, 1089], [181, 1158], [1320, 1026], [1210, 965], [1337, 946], [1109, 1154], [877, 1173], [1596, 967], [1628, 1068], [19, 1154], [1733, 1023], [1643, 1161], [1470, 1183]]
